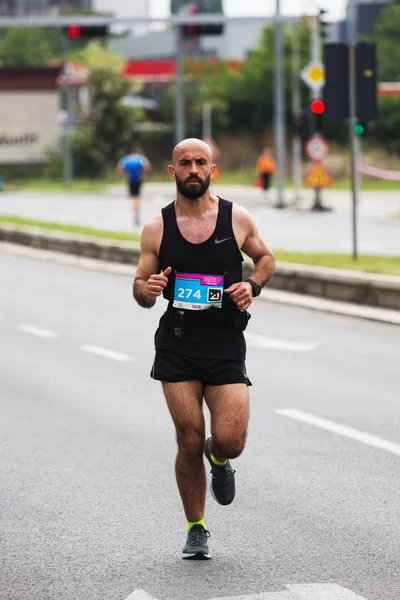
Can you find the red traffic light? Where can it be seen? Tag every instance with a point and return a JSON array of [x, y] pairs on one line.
[[317, 107], [74, 32]]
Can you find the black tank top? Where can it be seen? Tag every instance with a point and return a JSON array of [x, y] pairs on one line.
[[208, 333]]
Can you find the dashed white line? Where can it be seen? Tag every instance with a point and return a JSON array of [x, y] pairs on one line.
[[107, 353], [323, 591], [313, 591], [32, 329], [344, 430], [140, 595], [259, 341]]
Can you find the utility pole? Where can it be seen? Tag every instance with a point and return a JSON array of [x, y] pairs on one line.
[[207, 120], [279, 107], [180, 101], [352, 39], [296, 112], [67, 151]]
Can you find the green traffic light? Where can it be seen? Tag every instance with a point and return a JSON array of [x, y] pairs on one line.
[[359, 129]]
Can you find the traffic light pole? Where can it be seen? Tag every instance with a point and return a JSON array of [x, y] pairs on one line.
[[180, 100], [353, 141], [279, 108], [296, 111], [354, 146], [315, 95]]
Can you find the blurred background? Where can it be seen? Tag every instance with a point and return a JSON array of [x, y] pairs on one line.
[[81, 94]]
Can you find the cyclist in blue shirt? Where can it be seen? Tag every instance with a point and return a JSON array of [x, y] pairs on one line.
[[135, 166]]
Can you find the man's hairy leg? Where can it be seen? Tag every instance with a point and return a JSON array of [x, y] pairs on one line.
[[136, 208], [184, 400], [229, 409]]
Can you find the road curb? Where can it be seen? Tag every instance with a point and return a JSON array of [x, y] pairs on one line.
[[379, 291]]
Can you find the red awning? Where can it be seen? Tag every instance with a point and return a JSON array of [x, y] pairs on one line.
[[150, 70]]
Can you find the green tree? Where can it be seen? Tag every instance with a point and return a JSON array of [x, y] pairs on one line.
[[387, 35], [244, 99], [104, 136], [388, 124], [29, 47]]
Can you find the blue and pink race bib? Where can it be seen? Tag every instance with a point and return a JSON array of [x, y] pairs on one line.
[[195, 291]]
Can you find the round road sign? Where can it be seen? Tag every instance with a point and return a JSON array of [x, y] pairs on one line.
[[316, 148]]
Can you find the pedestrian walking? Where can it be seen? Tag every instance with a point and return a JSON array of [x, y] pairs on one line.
[[135, 166], [191, 253], [266, 168]]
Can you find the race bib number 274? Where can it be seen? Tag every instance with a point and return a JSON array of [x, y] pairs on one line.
[[195, 291]]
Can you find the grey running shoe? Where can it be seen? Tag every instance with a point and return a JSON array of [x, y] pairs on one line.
[[196, 547], [222, 485]]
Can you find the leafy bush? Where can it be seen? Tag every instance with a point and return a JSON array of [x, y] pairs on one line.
[[388, 124]]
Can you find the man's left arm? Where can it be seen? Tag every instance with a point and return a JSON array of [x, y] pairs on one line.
[[263, 258]]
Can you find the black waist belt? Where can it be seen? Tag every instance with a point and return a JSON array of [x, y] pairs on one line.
[[222, 323]]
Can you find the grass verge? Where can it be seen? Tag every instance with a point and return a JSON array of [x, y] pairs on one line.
[[240, 177], [385, 265], [49, 226]]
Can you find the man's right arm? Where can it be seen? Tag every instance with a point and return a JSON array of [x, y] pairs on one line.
[[149, 283]]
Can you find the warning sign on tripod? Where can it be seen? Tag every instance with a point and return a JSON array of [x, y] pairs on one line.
[[318, 177]]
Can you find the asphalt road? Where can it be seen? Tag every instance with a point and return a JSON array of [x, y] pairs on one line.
[[89, 508], [295, 228]]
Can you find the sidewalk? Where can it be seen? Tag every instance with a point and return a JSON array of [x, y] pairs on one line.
[[372, 202], [295, 228]]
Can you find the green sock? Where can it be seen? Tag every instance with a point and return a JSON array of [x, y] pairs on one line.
[[216, 462], [191, 523]]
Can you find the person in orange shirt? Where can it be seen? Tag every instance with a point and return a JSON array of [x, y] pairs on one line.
[[266, 168]]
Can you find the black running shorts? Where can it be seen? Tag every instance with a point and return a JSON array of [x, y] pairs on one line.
[[134, 187], [172, 367]]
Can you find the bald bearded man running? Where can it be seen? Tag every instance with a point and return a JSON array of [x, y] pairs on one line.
[[191, 253]]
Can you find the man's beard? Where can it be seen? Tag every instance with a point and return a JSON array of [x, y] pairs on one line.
[[190, 190]]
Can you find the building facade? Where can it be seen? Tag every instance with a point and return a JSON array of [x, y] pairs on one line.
[[43, 7]]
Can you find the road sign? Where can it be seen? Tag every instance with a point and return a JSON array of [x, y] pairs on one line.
[[314, 75], [316, 148], [318, 177]]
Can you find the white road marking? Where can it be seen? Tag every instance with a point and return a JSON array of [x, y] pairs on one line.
[[259, 341], [313, 591], [112, 354], [45, 333], [323, 591], [350, 432], [140, 595]]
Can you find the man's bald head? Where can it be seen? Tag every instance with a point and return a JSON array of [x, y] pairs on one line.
[[191, 145]]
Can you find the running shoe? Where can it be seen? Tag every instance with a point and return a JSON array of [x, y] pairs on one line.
[[196, 547], [222, 485]]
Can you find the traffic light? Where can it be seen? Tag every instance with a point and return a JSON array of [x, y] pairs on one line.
[[85, 32], [366, 82], [360, 128], [323, 25], [197, 30], [336, 89], [301, 125], [317, 109]]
